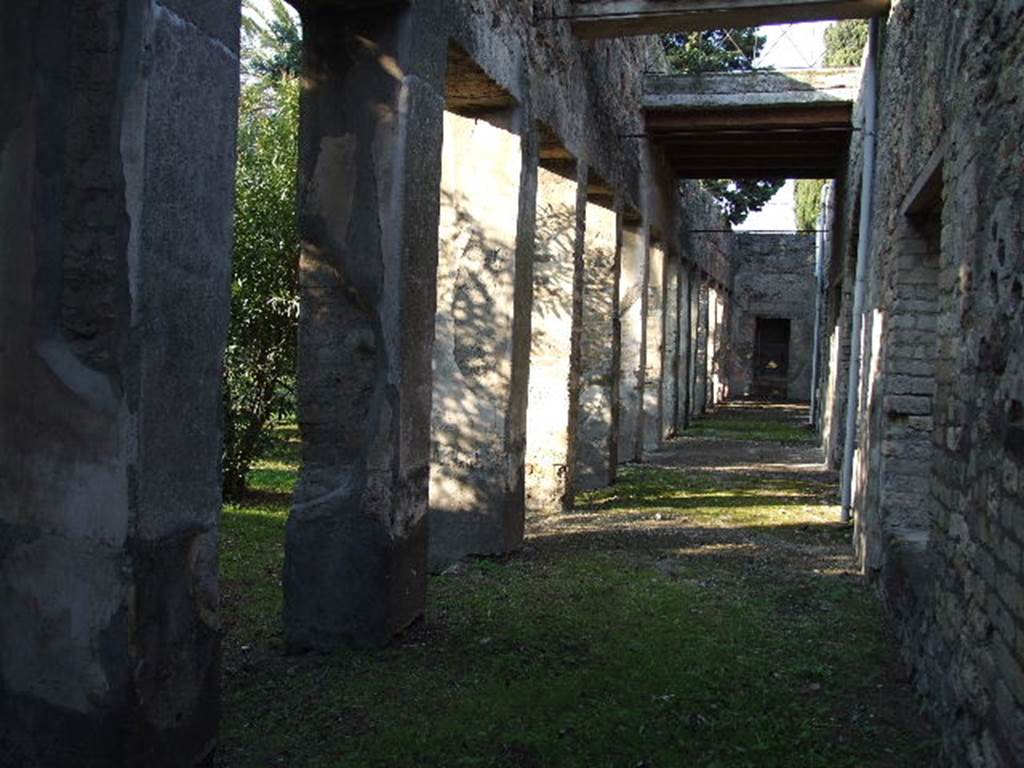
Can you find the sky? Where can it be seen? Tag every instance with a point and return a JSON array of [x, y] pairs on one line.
[[788, 46]]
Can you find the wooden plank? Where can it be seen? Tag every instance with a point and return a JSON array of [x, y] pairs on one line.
[[926, 193], [760, 118], [817, 158], [623, 18], [753, 163], [781, 172]]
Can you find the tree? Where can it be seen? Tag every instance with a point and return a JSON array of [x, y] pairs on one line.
[[259, 363], [845, 42], [740, 197], [271, 42], [844, 47], [722, 50], [807, 202], [714, 50]]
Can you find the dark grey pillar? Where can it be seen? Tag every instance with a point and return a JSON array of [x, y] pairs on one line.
[[116, 190], [369, 182]]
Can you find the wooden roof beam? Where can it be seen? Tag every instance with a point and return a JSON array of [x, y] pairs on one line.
[[593, 19]]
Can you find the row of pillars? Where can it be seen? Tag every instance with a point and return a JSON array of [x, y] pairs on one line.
[[486, 323], [478, 328]]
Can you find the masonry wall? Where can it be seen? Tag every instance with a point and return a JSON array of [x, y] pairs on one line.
[[773, 278], [939, 505]]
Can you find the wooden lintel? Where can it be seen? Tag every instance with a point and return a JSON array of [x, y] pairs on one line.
[[764, 151], [762, 118], [783, 172], [623, 18], [926, 193]]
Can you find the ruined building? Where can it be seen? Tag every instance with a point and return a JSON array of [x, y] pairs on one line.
[[505, 294]]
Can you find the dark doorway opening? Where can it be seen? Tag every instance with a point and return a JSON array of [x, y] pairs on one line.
[[771, 358]]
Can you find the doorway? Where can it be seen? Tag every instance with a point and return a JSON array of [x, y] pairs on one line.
[[771, 358]]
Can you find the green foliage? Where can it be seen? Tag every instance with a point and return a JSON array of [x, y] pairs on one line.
[[844, 43], [807, 201], [271, 43], [738, 198], [260, 356], [723, 50], [715, 50]]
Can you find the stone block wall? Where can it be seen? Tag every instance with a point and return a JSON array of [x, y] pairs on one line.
[[939, 504], [773, 277]]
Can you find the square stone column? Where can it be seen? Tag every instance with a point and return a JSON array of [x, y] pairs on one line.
[[670, 389], [702, 361], [655, 343], [633, 335], [117, 156], [687, 345], [716, 346], [594, 459], [477, 496], [547, 440], [369, 182]]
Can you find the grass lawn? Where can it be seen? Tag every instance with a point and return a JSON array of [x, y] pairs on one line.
[[678, 619]]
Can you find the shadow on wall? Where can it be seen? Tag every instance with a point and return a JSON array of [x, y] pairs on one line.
[[598, 311], [553, 272], [471, 477], [597, 358]]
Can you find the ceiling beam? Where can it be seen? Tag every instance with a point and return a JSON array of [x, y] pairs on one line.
[[753, 88], [592, 19], [767, 172], [813, 118]]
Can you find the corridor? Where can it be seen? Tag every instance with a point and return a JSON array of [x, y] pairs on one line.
[[704, 611]]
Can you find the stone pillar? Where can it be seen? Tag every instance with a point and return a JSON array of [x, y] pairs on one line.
[[686, 346], [370, 165], [631, 322], [594, 460], [714, 342], [670, 388], [700, 385], [547, 431], [652, 398], [477, 497], [691, 294], [116, 191], [718, 335]]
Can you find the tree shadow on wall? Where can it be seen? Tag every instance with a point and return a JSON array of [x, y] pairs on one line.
[[553, 270], [472, 473]]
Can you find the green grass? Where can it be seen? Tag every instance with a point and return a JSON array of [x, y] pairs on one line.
[[702, 497], [700, 647], [737, 425]]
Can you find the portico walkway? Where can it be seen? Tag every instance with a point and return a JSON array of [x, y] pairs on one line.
[[704, 611]]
